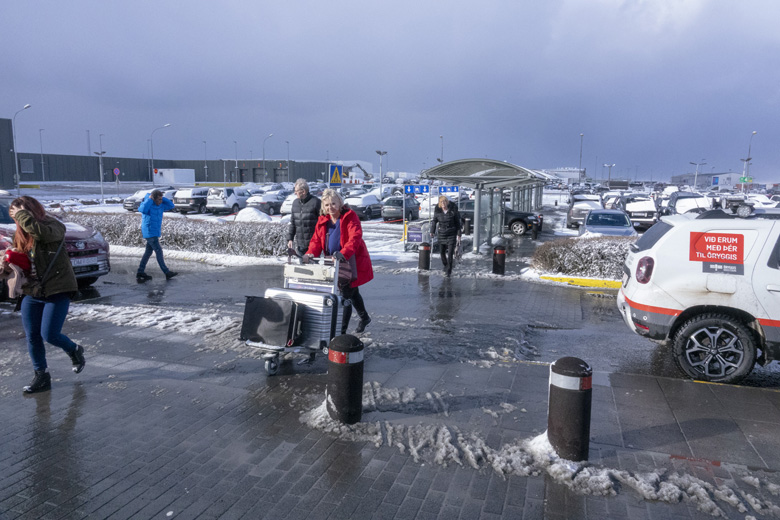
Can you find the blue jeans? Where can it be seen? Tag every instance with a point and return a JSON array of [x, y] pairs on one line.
[[152, 246], [42, 321]]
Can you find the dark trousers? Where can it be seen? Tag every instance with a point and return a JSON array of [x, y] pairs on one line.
[[153, 246], [447, 250], [42, 321], [352, 294]]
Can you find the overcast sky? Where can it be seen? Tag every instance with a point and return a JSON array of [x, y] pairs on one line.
[[652, 84]]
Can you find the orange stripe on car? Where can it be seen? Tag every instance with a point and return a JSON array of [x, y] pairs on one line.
[[769, 323], [650, 308]]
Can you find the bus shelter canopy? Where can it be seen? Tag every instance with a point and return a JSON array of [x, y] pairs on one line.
[[485, 173]]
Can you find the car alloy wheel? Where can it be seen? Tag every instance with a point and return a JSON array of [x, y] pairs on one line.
[[715, 347], [518, 228]]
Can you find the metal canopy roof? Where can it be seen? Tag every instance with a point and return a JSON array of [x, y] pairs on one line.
[[486, 173]]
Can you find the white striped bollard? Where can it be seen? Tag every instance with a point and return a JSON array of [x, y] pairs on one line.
[[568, 412], [344, 399]]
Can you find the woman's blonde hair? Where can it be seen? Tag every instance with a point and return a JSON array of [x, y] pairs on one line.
[[443, 198], [330, 194]]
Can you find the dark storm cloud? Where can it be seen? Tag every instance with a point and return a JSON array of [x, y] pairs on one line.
[[652, 85]]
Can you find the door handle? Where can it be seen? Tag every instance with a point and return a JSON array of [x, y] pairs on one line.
[[773, 288]]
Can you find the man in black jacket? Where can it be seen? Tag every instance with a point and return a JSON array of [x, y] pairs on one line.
[[446, 220], [305, 212]]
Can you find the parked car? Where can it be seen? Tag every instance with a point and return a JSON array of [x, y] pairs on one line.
[[687, 202], [640, 208], [86, 247], [610, 222], [520, 222], [366, 206], [708, 287], [132, 202], [230, 200], [579, 205], [286, 207], [269, 203], [399, 208], [191, 199]]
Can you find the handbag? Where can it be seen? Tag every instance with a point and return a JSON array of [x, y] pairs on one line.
[[347, 271], [36, 287]]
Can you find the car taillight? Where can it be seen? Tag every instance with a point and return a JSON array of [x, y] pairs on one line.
[[644, 269]]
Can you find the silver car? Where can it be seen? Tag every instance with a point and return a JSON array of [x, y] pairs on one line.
[[610, 222]]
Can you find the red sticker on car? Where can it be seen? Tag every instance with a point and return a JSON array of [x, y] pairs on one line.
[[724, 248]]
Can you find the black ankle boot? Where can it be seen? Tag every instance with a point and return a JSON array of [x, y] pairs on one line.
[[363, 324], [40, 383], [77, 357]]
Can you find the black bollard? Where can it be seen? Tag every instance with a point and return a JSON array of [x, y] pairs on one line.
[[499, 259], [466, 226], [534, 231], [568, 413], [344, 397], [541, 222], [424, 259]]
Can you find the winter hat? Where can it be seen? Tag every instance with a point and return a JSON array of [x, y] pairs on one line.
[[17, 258]]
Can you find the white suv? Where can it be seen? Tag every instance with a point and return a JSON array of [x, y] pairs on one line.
[[710, 285], [229, 200]]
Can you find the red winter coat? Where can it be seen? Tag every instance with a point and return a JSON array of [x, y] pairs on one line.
[[351, 243]]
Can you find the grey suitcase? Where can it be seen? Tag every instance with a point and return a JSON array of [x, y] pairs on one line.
[[322, 314]]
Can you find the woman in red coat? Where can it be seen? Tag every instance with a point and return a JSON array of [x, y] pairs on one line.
[[338, 233]]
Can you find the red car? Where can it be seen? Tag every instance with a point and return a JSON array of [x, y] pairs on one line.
[[87, 248]]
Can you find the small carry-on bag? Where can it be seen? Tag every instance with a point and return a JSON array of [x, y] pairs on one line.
[[272, 321]]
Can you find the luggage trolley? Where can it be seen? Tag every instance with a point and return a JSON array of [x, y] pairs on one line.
[[301, 317]]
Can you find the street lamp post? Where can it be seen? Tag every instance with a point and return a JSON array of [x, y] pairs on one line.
[[16, 160], [205, 161], [100, 155], [235, 143], [696, 174], [151, 146], [265, 174], [40, 137], [381, 179], [609, 173], [441, 157], [580, 169], [288, 160]]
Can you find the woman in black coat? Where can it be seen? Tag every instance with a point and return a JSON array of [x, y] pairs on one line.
[[446, 221]]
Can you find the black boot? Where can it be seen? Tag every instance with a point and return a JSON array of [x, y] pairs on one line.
[[364, 321], [77, 357], [40, 383], [345, 320]]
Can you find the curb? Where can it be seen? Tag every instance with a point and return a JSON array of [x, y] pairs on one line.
[[583, 282]]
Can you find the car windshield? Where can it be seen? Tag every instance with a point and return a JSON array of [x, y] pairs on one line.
[[5, 218], [608, 219]]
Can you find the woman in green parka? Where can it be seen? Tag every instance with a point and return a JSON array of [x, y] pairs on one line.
[[40, 235]]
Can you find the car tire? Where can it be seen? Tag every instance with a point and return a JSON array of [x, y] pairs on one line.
[[518, 228], [235, 208], [86, 282], [369, 216], [202, 209], [270, 211], [735, 346]]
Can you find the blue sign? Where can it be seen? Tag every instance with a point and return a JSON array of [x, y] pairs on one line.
[[417, 188], [449, 189], [715, 181], [335, 174]]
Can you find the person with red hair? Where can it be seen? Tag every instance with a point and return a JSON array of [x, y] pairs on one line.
[[47, 295]]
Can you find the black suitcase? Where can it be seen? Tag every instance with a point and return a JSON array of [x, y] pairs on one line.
[[276, 322]]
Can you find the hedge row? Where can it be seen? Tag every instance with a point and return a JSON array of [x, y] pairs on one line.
[[233, 238], [598, 257]]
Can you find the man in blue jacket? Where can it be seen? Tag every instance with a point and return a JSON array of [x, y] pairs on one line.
[[152, 209]]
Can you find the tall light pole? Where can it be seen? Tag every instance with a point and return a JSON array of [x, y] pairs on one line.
[[205, 161], [288, 160], [235, 143], [100, 166], [580, 169], [151, 146], [265, 174], [609, 173], [381, 179], [16, 160], [441, 157], [696, 174], [40, 137]]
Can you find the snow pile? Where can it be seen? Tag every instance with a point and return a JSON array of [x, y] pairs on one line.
[[252, 215], [444, 445], [244, 238], [601, 257]]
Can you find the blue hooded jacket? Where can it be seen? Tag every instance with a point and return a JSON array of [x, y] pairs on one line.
[[151, 225]]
